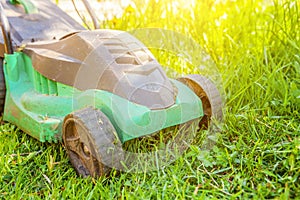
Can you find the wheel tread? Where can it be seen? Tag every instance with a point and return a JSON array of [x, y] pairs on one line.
[[100, 130], [2, 87]]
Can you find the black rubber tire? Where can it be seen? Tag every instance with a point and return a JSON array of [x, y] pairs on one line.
[[2, 87], [209, 95], [91, 143]]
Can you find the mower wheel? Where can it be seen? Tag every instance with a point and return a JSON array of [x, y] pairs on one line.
[[2, 87], [91, 142], [209, 95]]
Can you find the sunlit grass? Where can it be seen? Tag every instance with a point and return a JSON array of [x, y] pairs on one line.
[[255, 46]]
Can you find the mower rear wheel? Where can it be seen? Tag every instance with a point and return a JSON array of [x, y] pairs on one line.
[[2, 87], [91, 142], [209, 95]]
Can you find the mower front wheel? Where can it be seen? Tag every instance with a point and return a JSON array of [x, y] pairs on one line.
[[210, 96], [91, 143]]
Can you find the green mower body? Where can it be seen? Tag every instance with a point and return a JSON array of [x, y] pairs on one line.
[[38, 105], [91, 90]]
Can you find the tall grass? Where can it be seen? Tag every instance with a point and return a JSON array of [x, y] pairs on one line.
[[255, 45]]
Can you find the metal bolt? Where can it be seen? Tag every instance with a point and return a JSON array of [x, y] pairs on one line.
[[86, 150]]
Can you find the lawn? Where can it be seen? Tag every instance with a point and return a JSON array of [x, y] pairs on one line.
[[251, 48]]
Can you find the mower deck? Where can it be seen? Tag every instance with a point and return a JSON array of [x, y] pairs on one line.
[[41, 115]]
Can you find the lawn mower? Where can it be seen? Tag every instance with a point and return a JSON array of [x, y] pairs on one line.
[[90, 90]]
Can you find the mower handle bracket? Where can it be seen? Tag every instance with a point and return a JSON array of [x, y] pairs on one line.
[[8, 47], [29, 7]]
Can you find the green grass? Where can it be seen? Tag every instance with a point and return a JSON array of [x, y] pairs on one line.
[[255, 46]]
